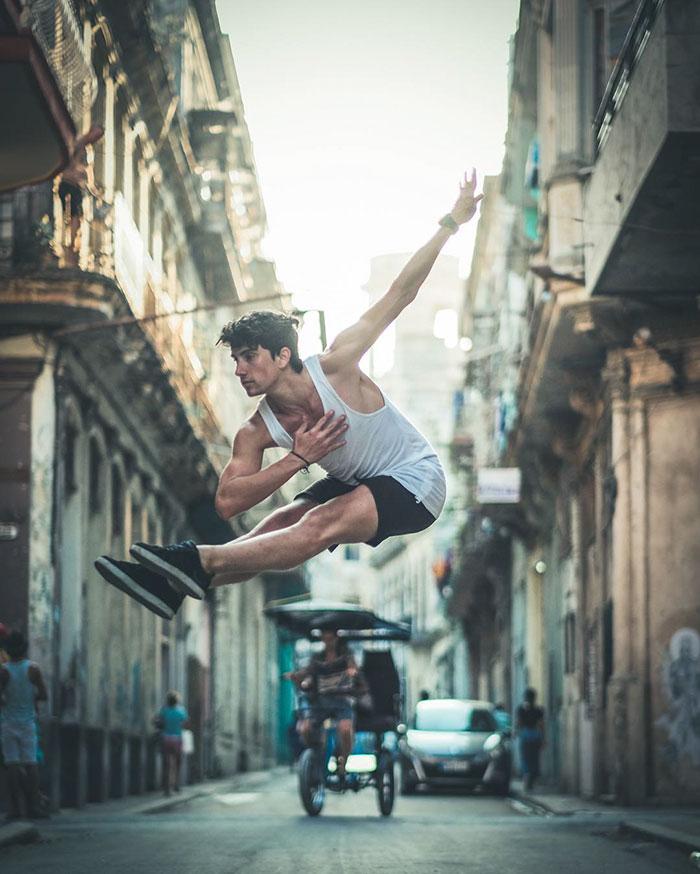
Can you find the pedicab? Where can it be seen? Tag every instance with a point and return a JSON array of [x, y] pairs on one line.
[[371, 763]]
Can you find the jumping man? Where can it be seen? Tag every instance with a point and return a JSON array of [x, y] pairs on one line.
[[384, 478]]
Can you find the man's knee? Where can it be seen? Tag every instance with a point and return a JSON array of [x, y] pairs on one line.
[[319, 525]]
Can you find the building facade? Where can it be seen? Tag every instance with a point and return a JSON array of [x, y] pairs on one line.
[[604, 598], [117, 410]]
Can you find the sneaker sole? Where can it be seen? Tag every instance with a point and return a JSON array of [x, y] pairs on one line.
[[117, 578], [182, 583]]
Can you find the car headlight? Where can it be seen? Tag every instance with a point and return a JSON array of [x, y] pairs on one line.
[[492, 743]]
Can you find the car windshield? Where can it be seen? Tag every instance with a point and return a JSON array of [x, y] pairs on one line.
[[453, 716]]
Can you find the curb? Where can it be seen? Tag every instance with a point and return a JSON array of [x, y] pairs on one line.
[[670, 837], [203, 790], [18, 833], [158, 803], [537, 807]]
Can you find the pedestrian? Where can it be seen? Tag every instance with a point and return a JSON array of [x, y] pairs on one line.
[[502, 717], [4, 633], [384, 478], [21, 687], [171, 720], [531, 737], [76, 179]]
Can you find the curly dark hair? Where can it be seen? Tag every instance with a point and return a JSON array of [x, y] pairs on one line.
[[16, 645], [272, 331]]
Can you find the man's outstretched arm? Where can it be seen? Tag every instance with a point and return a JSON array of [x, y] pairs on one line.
[[350, 345]]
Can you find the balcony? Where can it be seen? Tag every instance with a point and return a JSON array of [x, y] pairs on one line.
[[90, 306], [642, 204], [47, 84]]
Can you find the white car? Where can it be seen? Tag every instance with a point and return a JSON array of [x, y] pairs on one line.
[[455, 742]]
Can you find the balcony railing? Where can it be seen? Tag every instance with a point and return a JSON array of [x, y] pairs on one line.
[[54, 27], [616, 89], [114, 248]]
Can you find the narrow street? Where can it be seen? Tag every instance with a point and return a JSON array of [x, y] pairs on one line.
[[261, 828]]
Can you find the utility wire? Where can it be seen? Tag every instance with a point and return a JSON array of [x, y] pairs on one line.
[[84, 327]]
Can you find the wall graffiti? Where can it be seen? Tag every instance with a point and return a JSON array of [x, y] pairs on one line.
[[681, 684]]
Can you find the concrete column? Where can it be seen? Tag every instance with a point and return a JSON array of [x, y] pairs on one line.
[[109, 140], [639, 701], [534, 645], [620, 693]]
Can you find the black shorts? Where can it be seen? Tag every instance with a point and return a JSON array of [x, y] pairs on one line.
[[397, 508]]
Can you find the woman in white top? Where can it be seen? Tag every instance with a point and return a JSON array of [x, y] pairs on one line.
[[384, 477]]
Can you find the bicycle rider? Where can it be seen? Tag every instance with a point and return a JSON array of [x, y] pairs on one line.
[[331, 684]]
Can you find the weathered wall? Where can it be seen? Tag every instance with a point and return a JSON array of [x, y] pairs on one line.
[[674, 593]]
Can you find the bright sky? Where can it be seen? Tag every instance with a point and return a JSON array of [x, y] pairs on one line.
[[363, 117]]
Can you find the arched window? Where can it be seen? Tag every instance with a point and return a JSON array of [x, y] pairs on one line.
[[70, 447], [117, 502], [96, 498]]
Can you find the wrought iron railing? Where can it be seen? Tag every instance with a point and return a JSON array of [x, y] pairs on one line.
[[616, 89], [57, 31]]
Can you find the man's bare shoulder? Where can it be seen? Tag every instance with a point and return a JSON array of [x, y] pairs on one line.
[[253, 432]]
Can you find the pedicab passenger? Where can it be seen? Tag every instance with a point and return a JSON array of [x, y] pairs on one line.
[[332, 683]]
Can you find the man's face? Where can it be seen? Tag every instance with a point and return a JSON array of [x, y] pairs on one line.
[[329, 638], [256, 368]]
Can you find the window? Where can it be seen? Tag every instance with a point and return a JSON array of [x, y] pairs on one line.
[[119, 142], [136, 170], [6, 227], [117, 503], [69, 449], [482, 720], [608, 641], [452, 716], [600, 64], [570, 643], [95, 477]]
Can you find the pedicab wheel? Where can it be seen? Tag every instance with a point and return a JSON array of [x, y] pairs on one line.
[[407, 786], [312, 788], [385, 784]]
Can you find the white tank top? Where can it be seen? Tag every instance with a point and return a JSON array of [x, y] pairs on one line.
[[383, 443]]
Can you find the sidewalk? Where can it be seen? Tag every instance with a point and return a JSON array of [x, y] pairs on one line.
[[676, 826], [148, 803]]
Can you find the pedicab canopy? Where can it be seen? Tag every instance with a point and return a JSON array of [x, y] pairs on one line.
[[310, 618]]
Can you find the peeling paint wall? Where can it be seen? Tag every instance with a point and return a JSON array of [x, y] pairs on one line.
[[674, 593], [41, 564]]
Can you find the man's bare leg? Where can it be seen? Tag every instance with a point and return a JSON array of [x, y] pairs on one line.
[[349, 518], [283, 517]]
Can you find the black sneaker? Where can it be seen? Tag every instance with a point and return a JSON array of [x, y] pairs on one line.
[[179, 563], [149, 589]]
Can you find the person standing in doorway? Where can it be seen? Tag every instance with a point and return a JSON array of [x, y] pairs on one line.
[[171, 721], [76, 179], [22, 687], [529, 721]]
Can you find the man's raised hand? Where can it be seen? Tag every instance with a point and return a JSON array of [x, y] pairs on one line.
[[313, 444], [466, 203]]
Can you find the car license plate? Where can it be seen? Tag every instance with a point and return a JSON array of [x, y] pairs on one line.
[[455, 767]]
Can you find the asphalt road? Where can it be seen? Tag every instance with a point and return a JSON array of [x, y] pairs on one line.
[[262, 829]]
